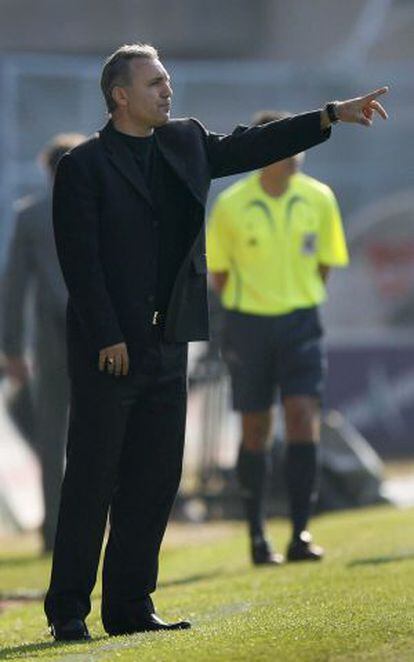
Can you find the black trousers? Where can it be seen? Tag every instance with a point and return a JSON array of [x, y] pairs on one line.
[[124, 455]]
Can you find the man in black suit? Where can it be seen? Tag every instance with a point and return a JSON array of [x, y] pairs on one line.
[[128, 218], [32, 274]]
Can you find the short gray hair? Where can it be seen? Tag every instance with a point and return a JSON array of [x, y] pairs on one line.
[[116, 68]]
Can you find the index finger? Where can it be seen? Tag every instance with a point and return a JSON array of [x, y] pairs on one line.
[[376, 93]]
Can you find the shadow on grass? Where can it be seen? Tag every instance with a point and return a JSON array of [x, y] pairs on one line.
[[22, 595], [10, 652], [378, 560], [192, 579], [180, 581]]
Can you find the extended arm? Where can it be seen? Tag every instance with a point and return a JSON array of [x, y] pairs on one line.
[[250, 148]]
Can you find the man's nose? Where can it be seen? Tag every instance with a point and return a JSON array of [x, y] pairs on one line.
[[167, 90]]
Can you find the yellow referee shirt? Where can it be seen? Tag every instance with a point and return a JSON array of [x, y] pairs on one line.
[[271, 246]]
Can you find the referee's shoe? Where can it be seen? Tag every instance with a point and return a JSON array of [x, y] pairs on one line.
[[263, 554], [303, 549]]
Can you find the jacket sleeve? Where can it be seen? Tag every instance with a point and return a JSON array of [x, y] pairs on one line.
[[250, 148], [16, 284], [76, 229]]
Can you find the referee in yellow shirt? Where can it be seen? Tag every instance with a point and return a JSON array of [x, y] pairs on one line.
[[271, 241]]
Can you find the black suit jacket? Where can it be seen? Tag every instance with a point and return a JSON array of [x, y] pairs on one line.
[[101, 211]]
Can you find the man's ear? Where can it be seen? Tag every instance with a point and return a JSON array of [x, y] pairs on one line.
[[119, 95]]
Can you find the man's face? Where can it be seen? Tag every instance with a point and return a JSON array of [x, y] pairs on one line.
[[147, 99]]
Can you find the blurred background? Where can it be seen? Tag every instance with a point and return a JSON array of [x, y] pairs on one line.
[[227, 60]]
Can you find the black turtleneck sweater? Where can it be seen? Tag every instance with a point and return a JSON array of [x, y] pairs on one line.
[[143, 151]]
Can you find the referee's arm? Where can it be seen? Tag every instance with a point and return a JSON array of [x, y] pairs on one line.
[[218, 280], [218, 256], [324, 270]]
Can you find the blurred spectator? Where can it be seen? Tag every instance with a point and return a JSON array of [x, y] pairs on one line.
[[272, 239], [33, 276]]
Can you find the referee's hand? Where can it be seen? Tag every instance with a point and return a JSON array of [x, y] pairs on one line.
[[114, 360], [362, 110]]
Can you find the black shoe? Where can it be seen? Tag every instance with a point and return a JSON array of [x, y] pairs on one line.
[[263, 554], [73, 630], [302, 549], [151, 622]]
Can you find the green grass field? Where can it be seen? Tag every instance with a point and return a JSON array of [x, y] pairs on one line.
[[357, 605]]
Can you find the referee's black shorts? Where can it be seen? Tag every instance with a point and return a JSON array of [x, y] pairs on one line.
[[271, 355]]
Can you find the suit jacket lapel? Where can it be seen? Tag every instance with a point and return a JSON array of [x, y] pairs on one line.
[[165, 141], [124, 161]]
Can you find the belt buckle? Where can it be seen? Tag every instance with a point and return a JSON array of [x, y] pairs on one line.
[[156, 318]]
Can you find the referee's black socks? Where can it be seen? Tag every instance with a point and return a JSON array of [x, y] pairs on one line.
[[253, 468], [301, 473]]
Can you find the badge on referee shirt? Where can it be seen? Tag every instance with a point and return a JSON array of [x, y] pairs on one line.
[[309, 243]]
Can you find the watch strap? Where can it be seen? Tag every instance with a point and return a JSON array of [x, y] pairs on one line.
[[332, 112]]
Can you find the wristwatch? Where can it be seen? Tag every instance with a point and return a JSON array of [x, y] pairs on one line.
[[332, 112]]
